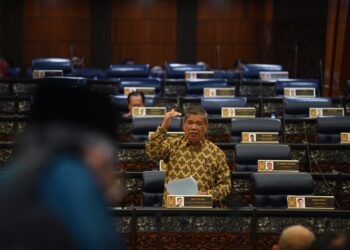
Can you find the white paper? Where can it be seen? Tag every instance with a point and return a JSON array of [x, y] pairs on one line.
[[185, 186]]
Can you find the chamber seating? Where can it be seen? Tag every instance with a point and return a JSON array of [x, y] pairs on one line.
[[252, 71], [271, 189], [122, 102], [177, 70], [246, 156], [299, 107], [153, 188], [254, 125], [67, 80], [52, 64], [296, 83], [128, 70], [328, 129], [142, 126], [139, 82], [13, 72], [89, 73], [195, 87], [213, 105]]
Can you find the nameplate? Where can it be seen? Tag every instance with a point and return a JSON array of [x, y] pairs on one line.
[[300, 92], [37, 74], [324, 112], [310, 202], [189, 201], [260, 137], [149, 91], [148, 111], [278, 165], [273, 75], [169, 134], [222, 92], [227, 112], [193, 75], [344, 137]]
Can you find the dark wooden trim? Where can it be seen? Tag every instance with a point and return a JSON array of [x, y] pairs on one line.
[[101, 47], [186, 31]]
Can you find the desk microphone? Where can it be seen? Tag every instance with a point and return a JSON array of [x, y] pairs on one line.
[[306, 142]]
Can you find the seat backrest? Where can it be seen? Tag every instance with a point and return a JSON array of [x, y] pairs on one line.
[[272, 189], [65, 80], [328, 129], [296, 83], [253, 125], [52, 64], [90, 73], [252, 71], [153, 188], [128, 70], [177, 70], [141, 126], [13, 72], [213, 105], [139, 82], [121, 101], [299, 107], [195, 87], [247, 155]]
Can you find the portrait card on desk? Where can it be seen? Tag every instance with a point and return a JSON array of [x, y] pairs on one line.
[[219, 92], [148, 111], [300, 92], [310, 202], [148, 91], [228, 112], [345, 138], [260, 137], [37, 74], [278, 165], [325, 112], [193, 75], [189, 201]]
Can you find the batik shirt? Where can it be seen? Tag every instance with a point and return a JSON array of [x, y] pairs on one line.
[[205, 162]]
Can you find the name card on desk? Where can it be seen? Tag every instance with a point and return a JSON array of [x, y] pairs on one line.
[[278, 165], [227, 112], [189, 201], [310, 202], [324, 112], [300, 92], [273, 75], [148, 111], [148, 91], [46, 73], [344, 137], [222, 92], [260, 137], [193, 75]]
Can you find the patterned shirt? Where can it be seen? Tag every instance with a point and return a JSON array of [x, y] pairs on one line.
[[205, 162]]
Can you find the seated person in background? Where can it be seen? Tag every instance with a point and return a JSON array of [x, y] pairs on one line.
[[239, 64], [192, 155], [295, 238], [128, 61], [76, 62], [135, 99], [3, 67]]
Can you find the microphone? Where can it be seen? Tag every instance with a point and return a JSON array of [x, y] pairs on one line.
[[296, 61], [284, 123], [306, 142], [218, 57], [212, 175], [321, 77]]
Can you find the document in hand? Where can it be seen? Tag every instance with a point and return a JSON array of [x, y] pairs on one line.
[[185, 186]]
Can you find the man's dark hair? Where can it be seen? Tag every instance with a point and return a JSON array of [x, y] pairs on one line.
[[197, 110], [136, 93]]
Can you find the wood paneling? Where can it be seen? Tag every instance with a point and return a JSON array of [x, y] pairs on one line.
[[235, 28], [345, 72], [144, 31], [56, 29], [1, 29]]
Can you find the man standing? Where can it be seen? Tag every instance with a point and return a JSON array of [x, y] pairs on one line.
[[191, 154]]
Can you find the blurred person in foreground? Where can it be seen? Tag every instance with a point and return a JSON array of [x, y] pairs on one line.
[[55, 195], [295, 238], [332, 241], [192, 155]]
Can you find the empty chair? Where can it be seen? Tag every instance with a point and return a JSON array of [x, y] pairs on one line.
[[247, 155], [153, 188], [89, 73], [254, 125], [252, 71], [177, 70], [52, 64], [328, 129], [66, 80], [128, 70], [139, 82], [299, 107], [195, 87], [121, 102], [142, 126], [296, 83], [272, 189], [213, 105]]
